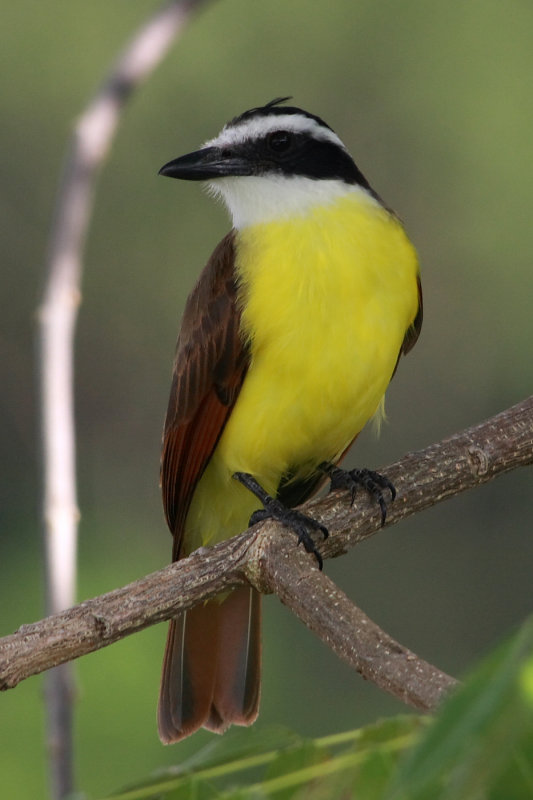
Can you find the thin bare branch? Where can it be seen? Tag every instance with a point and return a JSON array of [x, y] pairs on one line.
[[266, 556], [354, 637], [90, 144], [426, 477]]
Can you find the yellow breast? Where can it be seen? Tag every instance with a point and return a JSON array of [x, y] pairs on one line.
[[326, 301]]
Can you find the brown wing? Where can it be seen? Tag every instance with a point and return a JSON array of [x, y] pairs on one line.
[[413, 331], [209, 368]]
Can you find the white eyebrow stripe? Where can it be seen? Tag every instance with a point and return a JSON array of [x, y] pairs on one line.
[[257, 127]]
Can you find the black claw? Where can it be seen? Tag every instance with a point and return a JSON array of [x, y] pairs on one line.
[[324, 531], [290, 517], [304, 537], [258, 516], [372, 482], [383, 508]]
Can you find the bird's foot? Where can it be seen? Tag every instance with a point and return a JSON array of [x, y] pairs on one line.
[[299, 523], [373, 482]]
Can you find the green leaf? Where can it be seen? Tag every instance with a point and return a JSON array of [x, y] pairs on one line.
[[276, 763], [330, 767], [478, 747], [478, 735]]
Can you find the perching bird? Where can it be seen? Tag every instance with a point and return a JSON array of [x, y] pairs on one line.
[[288, 342]]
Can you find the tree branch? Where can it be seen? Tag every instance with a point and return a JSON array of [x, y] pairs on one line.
[[353, 636], [426, 477], [90, 144], [266, 556]]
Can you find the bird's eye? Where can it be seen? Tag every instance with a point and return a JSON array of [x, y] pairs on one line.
[[279, 141]]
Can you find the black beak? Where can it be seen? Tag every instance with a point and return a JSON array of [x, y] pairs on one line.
[[207, 164]]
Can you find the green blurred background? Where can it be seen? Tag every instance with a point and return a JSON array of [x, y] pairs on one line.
[[434, 100]]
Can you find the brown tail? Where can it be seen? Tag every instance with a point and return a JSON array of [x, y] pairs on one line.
[[212, 667]]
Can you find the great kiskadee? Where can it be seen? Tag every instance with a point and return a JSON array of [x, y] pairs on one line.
[[288, 342]]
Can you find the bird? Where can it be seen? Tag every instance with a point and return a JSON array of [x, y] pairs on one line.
[[288, 342]]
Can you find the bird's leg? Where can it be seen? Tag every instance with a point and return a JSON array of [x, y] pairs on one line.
[[350, 479], [274, 509]]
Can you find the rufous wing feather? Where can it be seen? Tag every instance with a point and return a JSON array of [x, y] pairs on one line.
[[211, 668]]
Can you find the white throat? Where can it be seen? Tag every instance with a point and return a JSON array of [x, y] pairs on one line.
[[254, 200]]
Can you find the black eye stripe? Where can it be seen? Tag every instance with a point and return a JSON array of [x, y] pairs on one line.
[[278, 141], [298, 153]]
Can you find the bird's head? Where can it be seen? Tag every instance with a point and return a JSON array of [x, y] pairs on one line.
[[272, 161]]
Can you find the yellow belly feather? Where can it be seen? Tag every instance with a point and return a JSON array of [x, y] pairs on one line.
[[326, 301]]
